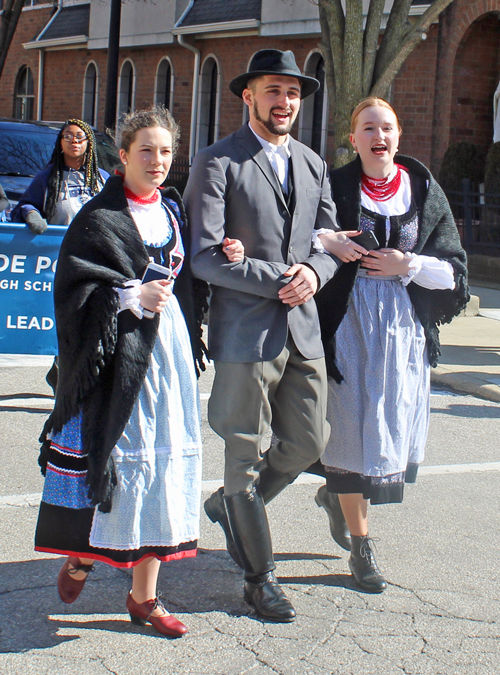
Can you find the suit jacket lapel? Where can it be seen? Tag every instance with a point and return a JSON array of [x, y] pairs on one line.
[[256, 151]]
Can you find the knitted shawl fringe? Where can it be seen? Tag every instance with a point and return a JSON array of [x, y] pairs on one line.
[[104, 356]]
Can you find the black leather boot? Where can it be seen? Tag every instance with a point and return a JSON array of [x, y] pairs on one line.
[[270, 484], [338, 527], [248, 521], [363, 565], [216, 511]]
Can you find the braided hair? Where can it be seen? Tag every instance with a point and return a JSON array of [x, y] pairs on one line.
[[93, 178]]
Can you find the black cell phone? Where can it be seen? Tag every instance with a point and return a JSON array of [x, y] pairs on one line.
[[367, 240]]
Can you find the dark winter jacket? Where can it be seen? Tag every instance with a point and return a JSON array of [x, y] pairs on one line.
[[4, 202], [104, 355], [438, 237], [35, 197]]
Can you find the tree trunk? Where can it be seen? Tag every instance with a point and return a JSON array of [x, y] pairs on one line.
[[355, 68], [344, 152], [10, 16]]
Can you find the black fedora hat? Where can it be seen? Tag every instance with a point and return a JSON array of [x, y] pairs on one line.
[[274, 62]]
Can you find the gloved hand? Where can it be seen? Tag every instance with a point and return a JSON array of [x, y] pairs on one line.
[[36, 223]]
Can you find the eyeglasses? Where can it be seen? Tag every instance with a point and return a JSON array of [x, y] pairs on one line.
[[79, 138]]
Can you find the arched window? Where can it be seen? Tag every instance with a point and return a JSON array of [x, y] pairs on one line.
[[126, 89], [24, 96], [246, 111], [208, 119], [90, 88], [164, 84], [314, 120]]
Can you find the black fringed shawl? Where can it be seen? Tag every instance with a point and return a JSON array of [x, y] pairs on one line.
[[104, 356], [438, 236]]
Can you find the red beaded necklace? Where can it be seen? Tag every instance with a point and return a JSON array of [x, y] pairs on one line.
[[382, 189], [142, 200]]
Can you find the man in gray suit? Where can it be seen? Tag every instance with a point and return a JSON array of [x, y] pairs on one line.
[[261, 186]]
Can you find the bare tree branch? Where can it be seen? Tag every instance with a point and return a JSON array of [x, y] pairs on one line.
[[372, 32], [332, 21], [395, 32], [417, 33], [354, 67], [10, 16]]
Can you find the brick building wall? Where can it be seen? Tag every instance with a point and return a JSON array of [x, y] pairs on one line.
[[70, 66], [234, 62], [30, 24], [413, 98], [442, 93], [475, 79], [456, 24]]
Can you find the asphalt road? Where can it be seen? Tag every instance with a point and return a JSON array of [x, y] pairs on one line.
[[439, 552]]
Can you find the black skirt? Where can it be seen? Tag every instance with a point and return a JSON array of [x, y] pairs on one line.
[[383, 490]]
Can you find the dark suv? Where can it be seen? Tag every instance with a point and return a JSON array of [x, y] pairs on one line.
[[26, 147]]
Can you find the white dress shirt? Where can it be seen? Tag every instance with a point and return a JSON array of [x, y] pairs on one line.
[[278, 156]]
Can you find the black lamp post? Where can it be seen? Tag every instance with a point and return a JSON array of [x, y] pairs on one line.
[[112, 74]]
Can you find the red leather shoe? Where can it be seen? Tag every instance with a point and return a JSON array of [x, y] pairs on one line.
[[69, 588], [141, 613]]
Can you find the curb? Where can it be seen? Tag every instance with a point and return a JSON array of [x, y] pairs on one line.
[[463, 383]]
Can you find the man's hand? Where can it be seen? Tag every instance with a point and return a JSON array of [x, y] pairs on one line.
[[301, 288]]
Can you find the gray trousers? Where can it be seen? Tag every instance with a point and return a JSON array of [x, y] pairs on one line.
[[289, 394]]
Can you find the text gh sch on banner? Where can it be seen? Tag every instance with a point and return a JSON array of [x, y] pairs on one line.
[[27, 267]]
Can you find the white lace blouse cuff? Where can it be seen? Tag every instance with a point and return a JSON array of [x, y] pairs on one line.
[[129, 299], [316, 241], [429, 272]]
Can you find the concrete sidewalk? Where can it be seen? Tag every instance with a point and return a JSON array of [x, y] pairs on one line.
[[470, 361]]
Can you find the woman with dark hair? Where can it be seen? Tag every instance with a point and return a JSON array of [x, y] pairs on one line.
[[121, 452], [71, 178], [57, 193], [379, 319]]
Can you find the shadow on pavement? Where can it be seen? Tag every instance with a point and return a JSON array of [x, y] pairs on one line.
[[473, 411], [33, 614], [9, 397], [10, 408], [342, 580], [478, 356], [305, 556]]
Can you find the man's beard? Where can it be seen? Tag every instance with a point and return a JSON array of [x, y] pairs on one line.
[[275, 130]]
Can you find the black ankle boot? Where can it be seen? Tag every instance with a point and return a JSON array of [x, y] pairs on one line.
[[248, 521], [216, 511], [363, 565], [338, 527], [265, 595]]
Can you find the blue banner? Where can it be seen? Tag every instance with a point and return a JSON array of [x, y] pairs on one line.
[[27, 266]]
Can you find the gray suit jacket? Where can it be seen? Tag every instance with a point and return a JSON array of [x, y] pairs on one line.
[[233, 191]]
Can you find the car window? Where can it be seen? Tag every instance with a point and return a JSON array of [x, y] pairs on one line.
[[107, 154], [25, 153]]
